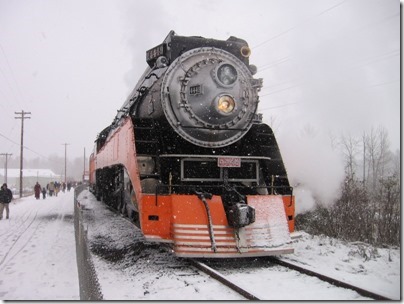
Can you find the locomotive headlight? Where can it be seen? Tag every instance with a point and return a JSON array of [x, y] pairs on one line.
[[227, 74], [226, 104]]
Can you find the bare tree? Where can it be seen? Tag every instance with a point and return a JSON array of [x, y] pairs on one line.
[[377, 154], [350, 149], [368, 212]]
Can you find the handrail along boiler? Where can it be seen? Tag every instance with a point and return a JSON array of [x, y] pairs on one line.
[[188, 158]]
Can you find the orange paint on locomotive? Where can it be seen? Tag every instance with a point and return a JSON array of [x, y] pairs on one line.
[[158, 212], [122, 140], [289, 203], [92, 169]]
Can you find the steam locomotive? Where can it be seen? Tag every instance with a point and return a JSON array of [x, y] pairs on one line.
[[189, 160]]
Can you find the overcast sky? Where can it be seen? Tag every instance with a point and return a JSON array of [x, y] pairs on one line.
[[329, 65]]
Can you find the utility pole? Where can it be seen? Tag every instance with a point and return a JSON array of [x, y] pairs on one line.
[[22, 117], [364, 159], [65, 144], [5, 169], [84, 172]]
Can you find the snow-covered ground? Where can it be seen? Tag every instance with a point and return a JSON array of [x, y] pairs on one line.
[[374, 269], [38, 261], [37, 253]]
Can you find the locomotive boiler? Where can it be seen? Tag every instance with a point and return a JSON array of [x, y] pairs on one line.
[[189, 160]]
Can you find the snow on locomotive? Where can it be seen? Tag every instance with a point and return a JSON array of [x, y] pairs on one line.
[[188, 159]]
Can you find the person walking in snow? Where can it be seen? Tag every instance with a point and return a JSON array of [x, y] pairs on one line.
[[57, 188], [5, 198], [51, 188], [43, 192], [37, 190]]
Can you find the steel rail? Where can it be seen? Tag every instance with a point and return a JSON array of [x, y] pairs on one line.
[[335, 282], [216, 275]]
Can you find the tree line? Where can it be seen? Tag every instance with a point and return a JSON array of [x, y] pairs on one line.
[[55, 163], [368, 205]]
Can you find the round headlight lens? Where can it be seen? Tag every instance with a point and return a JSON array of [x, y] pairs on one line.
[[227, 74], [226, 104]]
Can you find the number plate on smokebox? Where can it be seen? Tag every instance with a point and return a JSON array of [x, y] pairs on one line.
[[229, 162]]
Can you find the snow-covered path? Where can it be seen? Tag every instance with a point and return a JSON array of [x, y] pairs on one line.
[[38, 261], [37, 250]]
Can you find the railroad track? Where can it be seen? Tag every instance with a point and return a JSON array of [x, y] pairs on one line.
[[335, 282], [216, 275], [250, 296], [273, 260]]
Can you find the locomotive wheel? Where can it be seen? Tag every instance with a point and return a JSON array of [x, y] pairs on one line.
[[124, 209], [134, 217], [133, 213]]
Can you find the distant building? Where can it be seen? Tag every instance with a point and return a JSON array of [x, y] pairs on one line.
[[30, 177]]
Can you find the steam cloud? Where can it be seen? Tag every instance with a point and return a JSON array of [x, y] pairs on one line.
[[315, 170]]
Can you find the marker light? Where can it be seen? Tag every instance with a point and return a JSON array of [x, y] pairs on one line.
[[227, 74]]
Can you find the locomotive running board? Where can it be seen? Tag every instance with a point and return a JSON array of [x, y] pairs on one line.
[[268, 235]]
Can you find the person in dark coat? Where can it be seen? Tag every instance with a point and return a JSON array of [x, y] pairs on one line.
[[5, 198], [43, 193], [37, 190], [51, 188]]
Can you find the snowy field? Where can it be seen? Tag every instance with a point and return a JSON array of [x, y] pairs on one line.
[[38, 261], [374, 269], [38, 255]]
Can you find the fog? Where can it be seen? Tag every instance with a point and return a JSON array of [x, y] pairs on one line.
[[331, 64]]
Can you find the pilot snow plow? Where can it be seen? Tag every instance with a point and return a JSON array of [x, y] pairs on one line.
[[200, 229]]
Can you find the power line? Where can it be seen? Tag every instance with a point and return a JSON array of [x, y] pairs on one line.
[[287, 58], [365, 62], [280, 106], [8, 139], [12, 74], [25, 147], [273, 63], [297, 25], [10, 87], [280, 90]]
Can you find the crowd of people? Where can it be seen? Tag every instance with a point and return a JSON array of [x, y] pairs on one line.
[[52, 188]]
